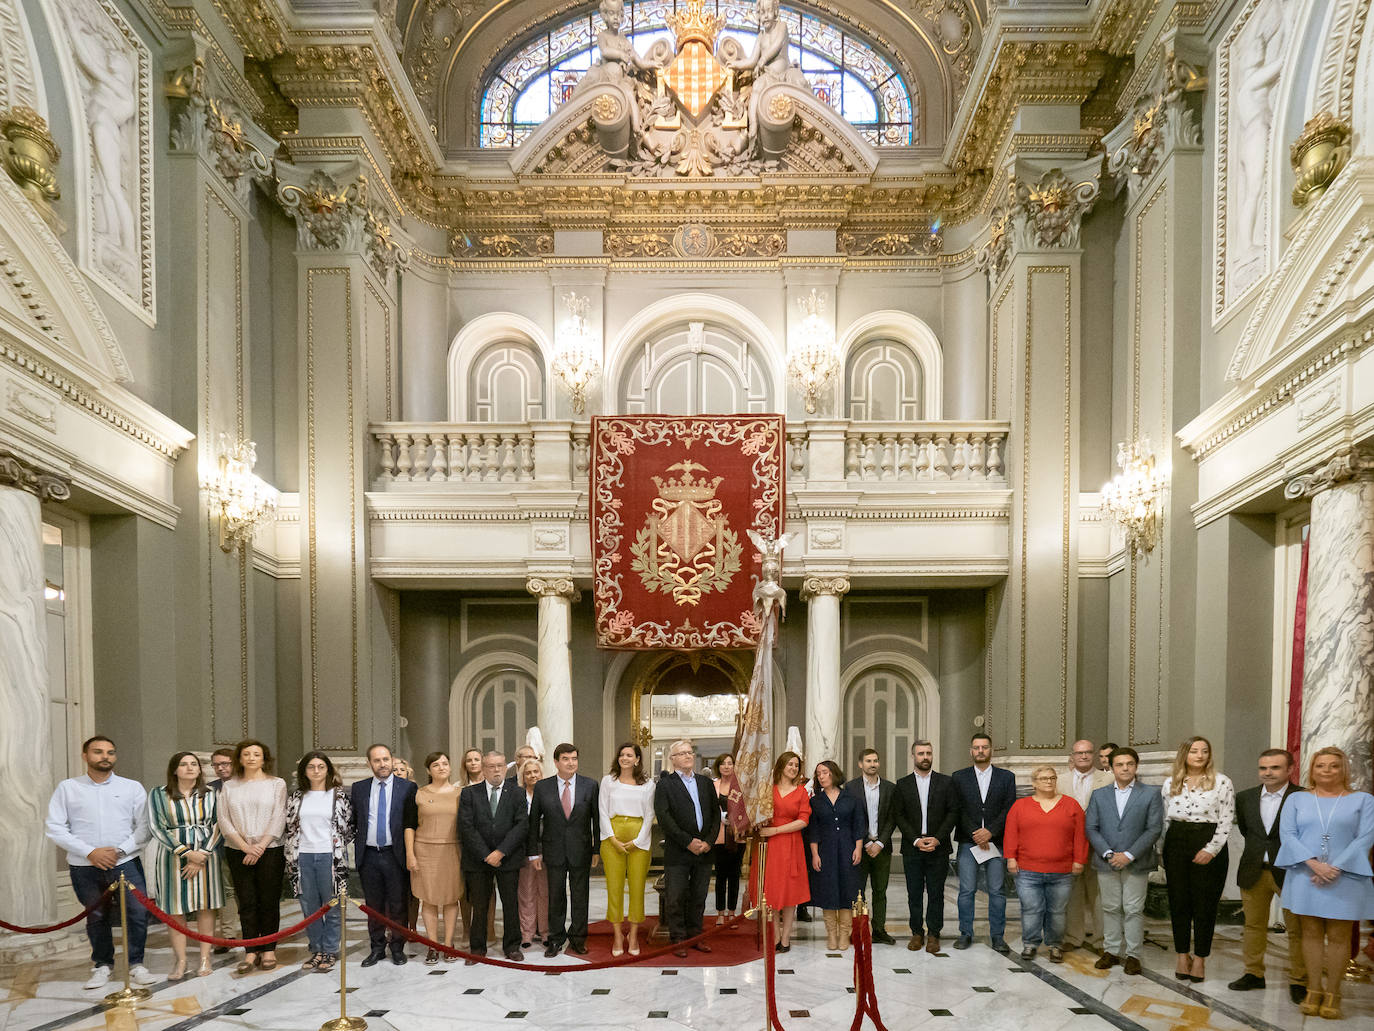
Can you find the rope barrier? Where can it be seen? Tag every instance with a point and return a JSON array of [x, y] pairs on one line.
[[266, 939], [100, 901], [447, 950], [770, 973], [865, 996]]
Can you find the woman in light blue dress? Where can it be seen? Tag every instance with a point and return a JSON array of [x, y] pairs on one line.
[[1325, 835]]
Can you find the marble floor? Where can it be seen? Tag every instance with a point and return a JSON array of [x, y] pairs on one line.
[[915, 990]]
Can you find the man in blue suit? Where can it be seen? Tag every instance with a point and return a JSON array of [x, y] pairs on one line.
[[383, 807], [1124, 820], [985, 796]]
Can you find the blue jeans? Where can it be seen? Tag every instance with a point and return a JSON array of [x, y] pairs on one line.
[[317, 888], [1044, 903], [88, 882], [994, 872]]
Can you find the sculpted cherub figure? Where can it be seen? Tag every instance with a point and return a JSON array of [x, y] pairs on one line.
[[769, 590], [771, 60], [620, 60]]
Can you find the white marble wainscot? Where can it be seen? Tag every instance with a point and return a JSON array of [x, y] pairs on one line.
[[822, 595], [553, 696], [1338, 671], [26, 890]]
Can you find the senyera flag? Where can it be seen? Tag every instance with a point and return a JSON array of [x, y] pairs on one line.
[[671, 501]]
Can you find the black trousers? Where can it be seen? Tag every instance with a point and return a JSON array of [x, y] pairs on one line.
[[925, 872], [1194, 889], [879, 868], [258, 887], [480, 885], [386, 888], [684, 897], [727, 863], [567, 884]]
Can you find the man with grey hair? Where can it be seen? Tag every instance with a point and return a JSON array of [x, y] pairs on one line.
[[491, 827], [1080, 780], [689, 816]]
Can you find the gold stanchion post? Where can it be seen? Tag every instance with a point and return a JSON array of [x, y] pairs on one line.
[[343, 1022], [128, 995]]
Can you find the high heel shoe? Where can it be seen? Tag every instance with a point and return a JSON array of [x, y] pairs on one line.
[[178, 971], [1182, 975], [204, 970], [1312, 1005], [1331, 1007]]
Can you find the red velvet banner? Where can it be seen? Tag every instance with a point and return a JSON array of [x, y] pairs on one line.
[[672, 499]]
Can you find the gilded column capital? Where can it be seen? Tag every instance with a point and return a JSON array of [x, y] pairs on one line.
[[1041, 214], [824, 584], [215, 127], [23, 475], [552, 587], [1349, 463], [335, 214]]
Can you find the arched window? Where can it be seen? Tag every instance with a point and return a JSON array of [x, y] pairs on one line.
[[506, 385], [884, 382], [880, 711], [698, 369], [502, 711], [845, 71]]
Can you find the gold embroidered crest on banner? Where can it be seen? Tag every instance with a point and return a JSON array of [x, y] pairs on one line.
[[686, 546]]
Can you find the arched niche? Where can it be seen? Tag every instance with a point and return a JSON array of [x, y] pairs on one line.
[[477, 676], [906, 329], [475, 338], [912, 675]]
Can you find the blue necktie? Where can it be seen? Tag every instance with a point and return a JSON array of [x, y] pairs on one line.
[[382, 817]]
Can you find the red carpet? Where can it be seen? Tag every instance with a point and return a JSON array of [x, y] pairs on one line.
[[728, 949]]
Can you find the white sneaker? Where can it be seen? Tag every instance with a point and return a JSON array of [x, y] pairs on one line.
[[141, 975], [100, 977]]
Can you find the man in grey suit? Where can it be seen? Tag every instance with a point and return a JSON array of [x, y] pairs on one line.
[[1124, 820]]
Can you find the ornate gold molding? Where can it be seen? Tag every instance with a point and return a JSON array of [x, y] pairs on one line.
[[30, 156], [1319, 153], [814, 586]]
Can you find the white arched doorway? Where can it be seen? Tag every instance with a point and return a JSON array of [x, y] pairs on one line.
[[492, 704], [889, 701]]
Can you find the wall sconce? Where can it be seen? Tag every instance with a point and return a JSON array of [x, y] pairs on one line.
[[244, 501], [814, 356], [577, 361], [1133, 498]]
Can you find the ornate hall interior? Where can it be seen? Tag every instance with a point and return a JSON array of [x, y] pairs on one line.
[[308, 307]]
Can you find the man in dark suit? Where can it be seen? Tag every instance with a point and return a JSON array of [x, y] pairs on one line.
[[1124, 821], [689, 816], [1257, 815], [874, 796], [985, 796], [491, 828], [926, 810], [383, 807], [564, 827]]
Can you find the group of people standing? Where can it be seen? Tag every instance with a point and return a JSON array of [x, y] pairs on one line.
[[1080, 850]]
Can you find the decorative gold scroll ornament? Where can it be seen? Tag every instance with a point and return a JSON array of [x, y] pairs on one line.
[[686, 547]]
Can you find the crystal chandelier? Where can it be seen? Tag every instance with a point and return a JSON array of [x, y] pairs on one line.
[[577, 362], [814, 356], [244, 501], [1133, 498]]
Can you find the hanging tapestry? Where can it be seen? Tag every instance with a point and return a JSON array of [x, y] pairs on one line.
[[672, 498]]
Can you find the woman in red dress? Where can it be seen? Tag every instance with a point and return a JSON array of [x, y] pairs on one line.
[[785, 882]]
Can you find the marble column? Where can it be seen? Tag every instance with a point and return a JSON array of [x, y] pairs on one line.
[[554, 698], [26, 892], [1338, 669], [822, 596]]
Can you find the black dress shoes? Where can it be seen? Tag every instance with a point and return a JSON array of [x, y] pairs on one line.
[[399, 958], [702, 947], [551, 950], [1246, 983], [963, 942], [883, 938], [515, 956], [1297, 992], [373, 958], [578, 947], [1000, 945]]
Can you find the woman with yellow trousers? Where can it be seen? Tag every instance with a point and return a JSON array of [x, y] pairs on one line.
[[627, 815]]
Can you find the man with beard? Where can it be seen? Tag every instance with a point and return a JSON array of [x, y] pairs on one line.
[[874, 795], [925, 809]]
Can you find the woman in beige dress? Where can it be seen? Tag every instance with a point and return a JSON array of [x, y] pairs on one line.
[[432, 853]]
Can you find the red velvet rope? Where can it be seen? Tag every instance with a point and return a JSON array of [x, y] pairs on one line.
[[865, 995], [770, 972], [415, 936], [65, 923], [266, 939]]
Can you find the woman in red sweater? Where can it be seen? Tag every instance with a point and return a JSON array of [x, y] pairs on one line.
[[1045, 847]]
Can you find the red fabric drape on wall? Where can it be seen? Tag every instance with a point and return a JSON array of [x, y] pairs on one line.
[[1299, 649]]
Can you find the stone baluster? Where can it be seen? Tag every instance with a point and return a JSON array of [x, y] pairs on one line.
[[923, 462], [457, 457], [419, 465], [995, 468], [491, 467], [403, 457], [388, 459], [906, 456], [582, 459], [851, 456], [509, 462], [961, 471], [888, 457], [941, 453], [796, 458], [977, 456], [526, 456], [869, 456], [439, 465]]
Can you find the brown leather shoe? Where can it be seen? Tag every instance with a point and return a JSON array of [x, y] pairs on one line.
[[933, 944], [917, 943], [702, 947], [1131, 965], [680, 952], [1106, 961]]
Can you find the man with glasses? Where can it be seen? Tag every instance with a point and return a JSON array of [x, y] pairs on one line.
[[689, 816], [1080, 780]]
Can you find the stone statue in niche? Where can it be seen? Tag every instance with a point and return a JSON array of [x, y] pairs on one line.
[[1257, 59], [109, 71]]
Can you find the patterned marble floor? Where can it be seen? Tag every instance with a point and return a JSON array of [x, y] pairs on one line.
[[915, 990]]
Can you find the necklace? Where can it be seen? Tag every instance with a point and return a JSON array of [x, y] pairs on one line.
[[1325, 819]]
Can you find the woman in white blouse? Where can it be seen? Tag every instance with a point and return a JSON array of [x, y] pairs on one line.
[[627, 814], [1199, 807]]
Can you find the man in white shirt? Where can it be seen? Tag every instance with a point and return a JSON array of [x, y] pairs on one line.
[[874, 796], [101, 821], [1082, 778], [1257, 817]]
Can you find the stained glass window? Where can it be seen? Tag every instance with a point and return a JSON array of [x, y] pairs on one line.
[[845, 71]]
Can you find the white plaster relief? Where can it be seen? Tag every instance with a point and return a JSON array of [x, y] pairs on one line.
[[19, 86], [1336, 273], [112, 72], [1250, 64], [37, 408]]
